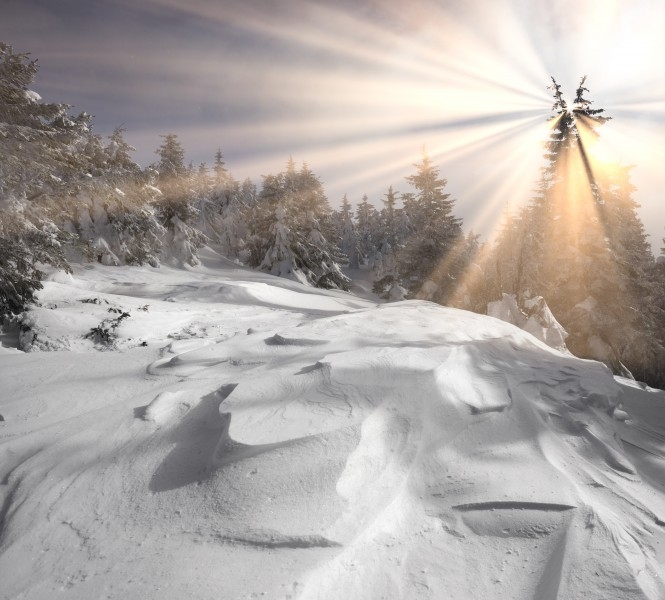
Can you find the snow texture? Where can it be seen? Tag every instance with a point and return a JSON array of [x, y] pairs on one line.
[[538, 321], [251, 437]]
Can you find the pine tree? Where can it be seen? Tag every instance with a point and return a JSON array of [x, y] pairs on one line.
[[262, 218], [428, 264], [564, 215], [111, 209], [387, 281], [581, 246], [248, 193], [366, 220], [37, 153], [171, 165], [209, 213], [587, 224], [389, 220], [177, 205], [114, 220], [219, 168], [222, 211], [293, 234], [19, 105], [347, 234], [119, 153], [63, 187]]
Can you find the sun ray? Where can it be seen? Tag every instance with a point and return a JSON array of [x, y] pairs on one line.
[[336, 83]]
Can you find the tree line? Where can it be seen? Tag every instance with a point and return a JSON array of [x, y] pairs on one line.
[[67, 194]]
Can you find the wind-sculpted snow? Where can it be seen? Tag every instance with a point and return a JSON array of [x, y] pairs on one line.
[[396, 451]]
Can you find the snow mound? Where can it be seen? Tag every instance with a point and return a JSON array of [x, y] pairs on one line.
[[165, 407], [291, 444], [537, 319]]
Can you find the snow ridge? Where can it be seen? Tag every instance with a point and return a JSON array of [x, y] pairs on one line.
[[318, 446]]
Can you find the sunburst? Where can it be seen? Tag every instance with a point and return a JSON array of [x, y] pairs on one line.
[[356, 90]]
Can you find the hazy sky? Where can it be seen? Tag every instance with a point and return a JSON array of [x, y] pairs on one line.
[[356, 88]]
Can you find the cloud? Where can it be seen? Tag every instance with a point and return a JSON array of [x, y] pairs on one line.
[[355, 89]]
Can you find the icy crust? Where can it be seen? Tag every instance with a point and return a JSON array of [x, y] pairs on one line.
[[306, 445]]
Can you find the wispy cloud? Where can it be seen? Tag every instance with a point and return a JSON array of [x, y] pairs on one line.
[[353, 89]]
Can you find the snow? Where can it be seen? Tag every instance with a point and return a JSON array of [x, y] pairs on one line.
[[32, 96], [539, 320], [243, 436]]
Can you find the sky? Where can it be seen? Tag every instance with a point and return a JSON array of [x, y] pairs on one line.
[[357, 88]]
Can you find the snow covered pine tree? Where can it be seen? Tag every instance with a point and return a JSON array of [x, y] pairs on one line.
[[176, 206], [581, 245], [293, 232], [427, 262], [34, 156]]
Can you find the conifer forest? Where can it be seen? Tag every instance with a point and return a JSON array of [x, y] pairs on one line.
[[575, 252]]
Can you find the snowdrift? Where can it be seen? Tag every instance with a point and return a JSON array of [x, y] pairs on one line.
[[242, 437]]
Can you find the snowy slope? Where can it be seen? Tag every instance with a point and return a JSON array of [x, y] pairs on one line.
[[242, 436]]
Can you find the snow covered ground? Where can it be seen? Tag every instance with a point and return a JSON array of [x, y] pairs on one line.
[[224, 434]]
